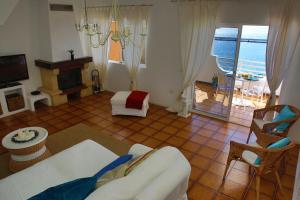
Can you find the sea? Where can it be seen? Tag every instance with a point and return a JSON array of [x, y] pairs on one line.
[[252, 54]]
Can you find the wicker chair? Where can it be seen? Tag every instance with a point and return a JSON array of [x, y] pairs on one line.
[[260, 125], [271, 158]]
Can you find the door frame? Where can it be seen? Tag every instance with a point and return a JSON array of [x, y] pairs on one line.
[[220, 117]]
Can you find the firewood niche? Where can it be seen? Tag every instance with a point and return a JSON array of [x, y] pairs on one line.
[[64, 78]]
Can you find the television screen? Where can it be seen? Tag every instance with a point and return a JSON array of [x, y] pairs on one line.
[[13, 68]]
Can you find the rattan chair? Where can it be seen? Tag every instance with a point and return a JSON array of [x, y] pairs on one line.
[[261, 125], [271, 158]]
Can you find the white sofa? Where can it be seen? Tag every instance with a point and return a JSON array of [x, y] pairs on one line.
[[163, 176], [118, 103]]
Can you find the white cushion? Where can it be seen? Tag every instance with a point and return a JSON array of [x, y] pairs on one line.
[[260, 123], [164, 175], [81, 160], [119, 98], [139, 149], [249, 156]]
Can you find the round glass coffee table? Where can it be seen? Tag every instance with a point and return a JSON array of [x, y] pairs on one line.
[[27, 151]]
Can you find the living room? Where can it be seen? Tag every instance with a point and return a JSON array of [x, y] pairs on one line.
[[52, 38]]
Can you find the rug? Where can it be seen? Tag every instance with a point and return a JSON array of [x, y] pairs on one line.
[[68, 137]]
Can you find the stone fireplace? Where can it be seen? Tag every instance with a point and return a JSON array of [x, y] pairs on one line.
[[68, 79], [64, 78]]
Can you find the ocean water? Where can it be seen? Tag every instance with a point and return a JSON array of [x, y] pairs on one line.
[[252, 55]]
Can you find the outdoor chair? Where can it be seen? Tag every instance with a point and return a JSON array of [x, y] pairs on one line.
[[262, 125], [270, 159]]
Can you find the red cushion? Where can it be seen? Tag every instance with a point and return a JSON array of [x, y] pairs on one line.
[[135, 99]]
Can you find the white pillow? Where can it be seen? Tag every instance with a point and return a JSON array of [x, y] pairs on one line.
[[131, 185]]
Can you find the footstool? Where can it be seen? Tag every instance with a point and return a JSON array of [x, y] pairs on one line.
[[118, 103]]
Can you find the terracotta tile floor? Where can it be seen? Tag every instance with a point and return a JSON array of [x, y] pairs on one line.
[[207, 101], [204, 142]]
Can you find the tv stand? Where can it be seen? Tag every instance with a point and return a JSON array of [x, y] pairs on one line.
[[7, 85], [8, 90]]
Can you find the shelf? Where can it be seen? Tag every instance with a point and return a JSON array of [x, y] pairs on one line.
[[11, 90]]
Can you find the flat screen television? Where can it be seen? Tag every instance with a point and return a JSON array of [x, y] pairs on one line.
[[13, 68]]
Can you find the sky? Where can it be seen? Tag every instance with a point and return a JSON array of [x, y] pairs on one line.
[[249, 32]]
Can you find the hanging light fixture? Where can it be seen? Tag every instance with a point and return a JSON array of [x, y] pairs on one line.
[[117, 33]]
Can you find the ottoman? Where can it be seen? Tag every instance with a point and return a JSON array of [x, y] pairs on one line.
[[118, 103]]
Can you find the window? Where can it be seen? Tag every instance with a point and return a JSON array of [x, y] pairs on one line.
[[115, 53], [115, 50], [252, 49]]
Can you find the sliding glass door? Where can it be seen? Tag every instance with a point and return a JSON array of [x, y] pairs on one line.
[[234, 74], [214, 96]]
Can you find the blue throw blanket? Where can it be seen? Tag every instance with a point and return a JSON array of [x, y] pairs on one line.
[[80, 188]]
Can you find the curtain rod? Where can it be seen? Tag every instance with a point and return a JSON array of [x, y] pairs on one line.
[[183, 1], [178, 1], [132, 5]]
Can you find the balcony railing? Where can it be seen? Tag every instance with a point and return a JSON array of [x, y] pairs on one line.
[[244, 66]]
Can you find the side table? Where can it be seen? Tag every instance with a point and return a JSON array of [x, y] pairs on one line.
[[28, 153], [34, 98]]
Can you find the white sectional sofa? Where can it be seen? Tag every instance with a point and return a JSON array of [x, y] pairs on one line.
[[163, 176]]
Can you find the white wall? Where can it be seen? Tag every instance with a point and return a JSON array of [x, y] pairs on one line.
[[63, 33], [6, 8], [162, 77], [39, 33], [45, 46], [20, 34]]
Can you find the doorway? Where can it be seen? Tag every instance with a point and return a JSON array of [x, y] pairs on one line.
[[251, 87], [234, 85]]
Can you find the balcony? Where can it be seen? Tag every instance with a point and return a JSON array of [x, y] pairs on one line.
[[250, 91]]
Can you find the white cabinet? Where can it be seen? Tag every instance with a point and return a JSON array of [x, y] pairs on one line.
[[20, 89]]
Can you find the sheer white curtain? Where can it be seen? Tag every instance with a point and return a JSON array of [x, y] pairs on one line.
[[197, 26], [283, 37], [101, 16], [135, 18]]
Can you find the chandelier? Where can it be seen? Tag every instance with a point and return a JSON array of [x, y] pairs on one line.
[[117, 31]]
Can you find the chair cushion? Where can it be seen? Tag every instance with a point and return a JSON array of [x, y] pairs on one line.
[[284, 114], [280, 143], [250, 157], [260, 123], [276, 145]]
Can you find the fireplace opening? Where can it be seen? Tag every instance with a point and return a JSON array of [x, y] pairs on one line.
[[73, 96], [68, 79]]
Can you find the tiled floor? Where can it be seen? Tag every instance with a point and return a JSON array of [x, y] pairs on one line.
[[206, 100], [204, 142]]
